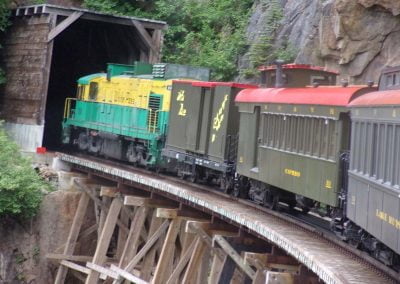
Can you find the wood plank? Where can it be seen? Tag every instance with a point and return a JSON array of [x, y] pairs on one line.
[[148, 262], [86, 189], [278, 278], [103, 215], [196, 227], [79, 268], [259, 278], [163, 268], [122, 235], [149, 202], [235, 256], [167, 213], [195, 260], [182, 263], [149, 244], [144, 35], [64, 24], [79, 258], [127, 275], [105, 238], [76, 258], [217, 266], [132, 242], [73, 236], [102, 270], [109, 191], [75, 266]]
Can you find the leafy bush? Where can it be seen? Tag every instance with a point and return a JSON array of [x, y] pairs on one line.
[[20, 186]]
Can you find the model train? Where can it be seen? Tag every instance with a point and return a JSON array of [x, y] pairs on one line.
[[302, 141]]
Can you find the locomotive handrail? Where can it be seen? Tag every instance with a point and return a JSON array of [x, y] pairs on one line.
[[152, 122], [67, 106]]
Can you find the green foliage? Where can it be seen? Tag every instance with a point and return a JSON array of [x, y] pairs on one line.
[[264, 51], [201, 33], [20, 186]]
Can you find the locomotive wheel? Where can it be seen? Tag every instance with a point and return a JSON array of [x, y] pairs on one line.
[[83, 141]]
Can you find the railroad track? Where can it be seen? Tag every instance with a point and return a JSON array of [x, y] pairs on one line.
[[330, 259]]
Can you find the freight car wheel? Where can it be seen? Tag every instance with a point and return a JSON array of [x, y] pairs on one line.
[[193, 178], [271, 201]]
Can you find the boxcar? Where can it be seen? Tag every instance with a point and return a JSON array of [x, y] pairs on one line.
[[203, 128], [374, 175], [293, 139]]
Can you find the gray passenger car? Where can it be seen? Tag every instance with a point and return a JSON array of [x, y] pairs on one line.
[[374, 174]]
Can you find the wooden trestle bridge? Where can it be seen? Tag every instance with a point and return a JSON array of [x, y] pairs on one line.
[[153, 230]]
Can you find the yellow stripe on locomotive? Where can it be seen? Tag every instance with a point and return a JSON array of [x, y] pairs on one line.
[[125, 90]]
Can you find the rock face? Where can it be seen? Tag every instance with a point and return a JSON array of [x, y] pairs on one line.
[[356, 38], [392, 6]]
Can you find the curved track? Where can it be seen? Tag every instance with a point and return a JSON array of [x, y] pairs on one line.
[[331, 261]]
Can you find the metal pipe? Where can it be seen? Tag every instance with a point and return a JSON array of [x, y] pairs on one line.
[[279, 74]]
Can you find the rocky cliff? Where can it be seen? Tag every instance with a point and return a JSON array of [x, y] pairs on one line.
[[354, 37]]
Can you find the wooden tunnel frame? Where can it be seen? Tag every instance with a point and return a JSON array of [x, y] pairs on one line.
[[29, 55]]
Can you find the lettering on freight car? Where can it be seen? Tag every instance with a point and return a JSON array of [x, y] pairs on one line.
[[394, 113], [332, 111], [181, 98], [219, 118], [220, 115], [182, 110], [294, 109], [387, 218], [312, 109], [328, 184], [353, 200], [291, 172]]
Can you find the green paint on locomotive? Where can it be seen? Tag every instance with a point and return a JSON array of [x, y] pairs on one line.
[[120, 120]]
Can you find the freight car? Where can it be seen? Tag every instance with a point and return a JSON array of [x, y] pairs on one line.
[[123, 114], [203, 131]]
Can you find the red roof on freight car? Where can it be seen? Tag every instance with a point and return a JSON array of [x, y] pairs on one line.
[[390, 97], [213, 84], [332, 96], [297, 66]]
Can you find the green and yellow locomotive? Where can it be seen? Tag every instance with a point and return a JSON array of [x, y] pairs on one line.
[[123, 114]]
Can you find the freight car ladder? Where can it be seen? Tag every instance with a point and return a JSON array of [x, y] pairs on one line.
[[154, 107]]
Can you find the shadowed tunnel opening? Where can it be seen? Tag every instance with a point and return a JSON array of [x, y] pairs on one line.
[[83, 48]]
